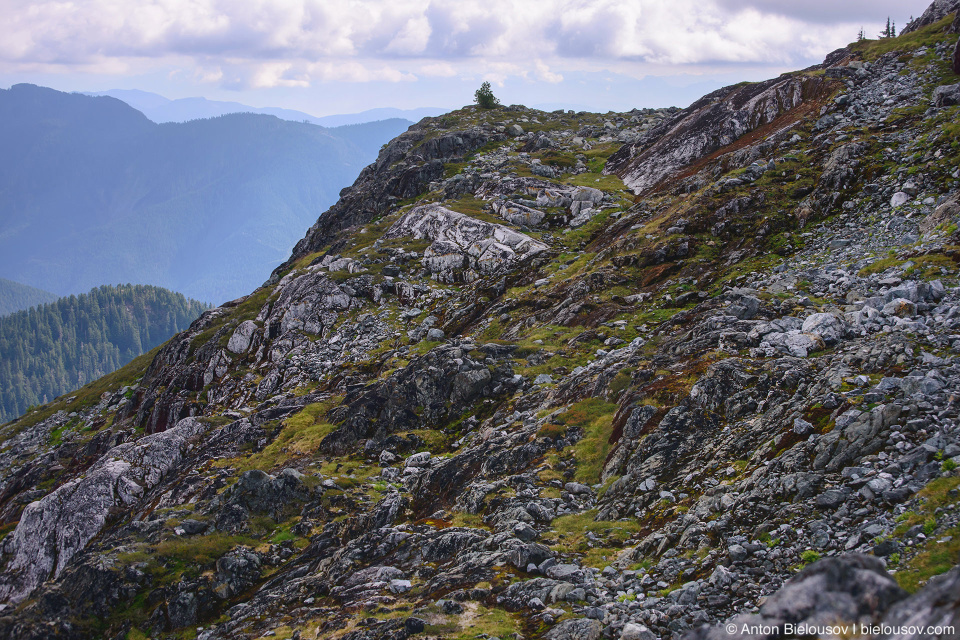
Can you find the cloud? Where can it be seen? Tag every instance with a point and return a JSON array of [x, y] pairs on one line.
[[438, 70], [277, 74], [411, 38], [544, 73], [293, 43], [832, 11]]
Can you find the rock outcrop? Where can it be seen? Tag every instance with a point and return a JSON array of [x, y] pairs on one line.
[[461, 247], [58, 526], [849, 595], [937, 11], [708, 125], [403, 170]]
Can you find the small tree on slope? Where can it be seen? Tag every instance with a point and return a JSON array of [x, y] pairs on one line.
[[484, 97]]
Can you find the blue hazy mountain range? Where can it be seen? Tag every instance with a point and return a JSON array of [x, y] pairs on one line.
[[161, 109], [15, 296], [95, 192]]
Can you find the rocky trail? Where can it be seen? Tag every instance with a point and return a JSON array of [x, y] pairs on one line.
[[549, 375]]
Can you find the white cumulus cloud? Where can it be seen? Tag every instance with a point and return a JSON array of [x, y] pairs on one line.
[[293, 43]]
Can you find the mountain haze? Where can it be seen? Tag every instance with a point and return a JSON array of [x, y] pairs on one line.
[[161, 109], [95, 192], [15, 296], [662, 374]]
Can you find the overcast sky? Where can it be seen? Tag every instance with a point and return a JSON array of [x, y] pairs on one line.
[[337, 56]]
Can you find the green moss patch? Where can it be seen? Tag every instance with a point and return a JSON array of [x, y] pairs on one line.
[[595, 417]]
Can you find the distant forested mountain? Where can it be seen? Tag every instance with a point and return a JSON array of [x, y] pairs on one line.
[[95, 192], [15, 296], [48, 350]]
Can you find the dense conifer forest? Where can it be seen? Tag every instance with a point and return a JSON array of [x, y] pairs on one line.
[[53, 348]]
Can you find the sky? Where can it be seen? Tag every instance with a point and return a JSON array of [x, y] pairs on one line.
[[342, 56]]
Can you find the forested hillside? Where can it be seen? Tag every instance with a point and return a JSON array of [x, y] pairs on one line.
[[94, 192], [56, 347], [15, 296]]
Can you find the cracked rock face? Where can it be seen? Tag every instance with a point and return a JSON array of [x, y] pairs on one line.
[[711, 123], [53, 529], [937, 11], [462, 248]]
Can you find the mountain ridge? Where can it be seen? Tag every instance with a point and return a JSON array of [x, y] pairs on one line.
[[496, 390], [97, 192], [160, 109]]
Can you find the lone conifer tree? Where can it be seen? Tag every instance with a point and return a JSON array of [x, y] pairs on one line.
[[484, 97], [890, 31], [860, 35]]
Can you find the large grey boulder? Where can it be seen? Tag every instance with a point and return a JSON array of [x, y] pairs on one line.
[[55, 528], [518, 214], [578, 629], [794, 343], [544, 170], [947, 95], [240, 340], [259, 492], [745, 307], [584, 198], [899, 199], [937, 604], [829, 327], [633, 631], [848, 590]]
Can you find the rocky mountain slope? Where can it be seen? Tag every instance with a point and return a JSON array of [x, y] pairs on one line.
[[549, 375]]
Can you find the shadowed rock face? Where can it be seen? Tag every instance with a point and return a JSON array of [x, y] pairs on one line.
[[937, 11], [442, 383], [404, 168], [711, 123], [937, 604]]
